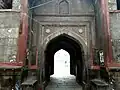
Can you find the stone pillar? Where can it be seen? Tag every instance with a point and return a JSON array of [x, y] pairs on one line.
[[16, 4]]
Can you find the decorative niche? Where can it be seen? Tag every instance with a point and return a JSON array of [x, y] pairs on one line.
[[64, 7]]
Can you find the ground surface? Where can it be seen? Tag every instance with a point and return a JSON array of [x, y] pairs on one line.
[[63, 83], [62, 80]]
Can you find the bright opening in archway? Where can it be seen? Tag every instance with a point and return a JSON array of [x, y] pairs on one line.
[[61, 63]]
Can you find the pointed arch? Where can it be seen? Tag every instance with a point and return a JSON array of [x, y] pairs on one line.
[[72, 45], [77, 38]]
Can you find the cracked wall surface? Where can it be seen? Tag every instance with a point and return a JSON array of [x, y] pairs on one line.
[[9, 30]]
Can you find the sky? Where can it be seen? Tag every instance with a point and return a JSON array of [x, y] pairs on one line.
[[61, 68]]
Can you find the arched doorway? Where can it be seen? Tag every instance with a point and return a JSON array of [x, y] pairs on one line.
[[75, 50]]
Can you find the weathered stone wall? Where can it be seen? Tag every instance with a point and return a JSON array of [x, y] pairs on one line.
[[9, 30], [60, 7], [115, 31]]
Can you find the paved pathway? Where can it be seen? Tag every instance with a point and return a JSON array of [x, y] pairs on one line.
[[63, 83]]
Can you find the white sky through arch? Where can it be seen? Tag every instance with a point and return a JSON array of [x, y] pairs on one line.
[[61, 63]]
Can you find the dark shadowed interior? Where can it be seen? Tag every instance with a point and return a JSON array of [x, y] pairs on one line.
[[76, 56], [118, 4], [6, 4]]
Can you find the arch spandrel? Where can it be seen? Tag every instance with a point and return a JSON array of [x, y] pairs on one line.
[[74, 36]]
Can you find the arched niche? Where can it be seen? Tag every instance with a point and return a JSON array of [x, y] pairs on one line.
[[64, 7]]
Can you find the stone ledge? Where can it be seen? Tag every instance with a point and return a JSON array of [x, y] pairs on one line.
[[9, 10]]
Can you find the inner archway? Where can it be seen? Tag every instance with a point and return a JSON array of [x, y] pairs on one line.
[[61, 64], [76, 52]]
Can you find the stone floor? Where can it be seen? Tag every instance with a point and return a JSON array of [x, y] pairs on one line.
[[63, 83]]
